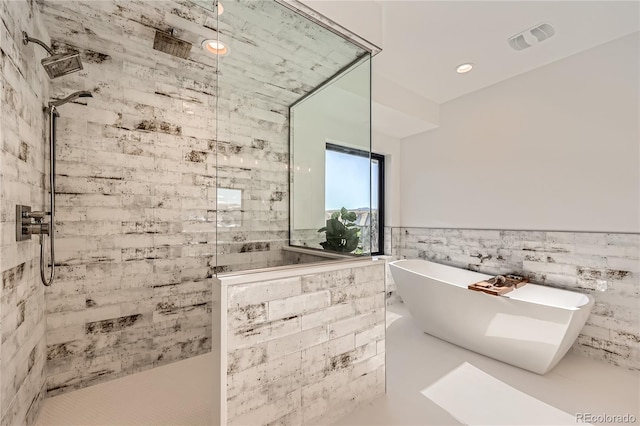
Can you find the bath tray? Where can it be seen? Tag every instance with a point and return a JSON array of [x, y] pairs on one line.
[[500, 284]]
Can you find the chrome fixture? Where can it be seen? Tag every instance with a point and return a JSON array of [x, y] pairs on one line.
[[29, 222], [56, 65], [71, 97], [168, 43]]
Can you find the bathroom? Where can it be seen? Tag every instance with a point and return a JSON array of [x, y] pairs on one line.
[[186, 214]]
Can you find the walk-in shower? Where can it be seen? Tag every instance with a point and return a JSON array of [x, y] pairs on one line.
[[29, 222]]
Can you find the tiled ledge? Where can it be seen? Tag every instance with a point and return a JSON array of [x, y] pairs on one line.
[[275, 273]]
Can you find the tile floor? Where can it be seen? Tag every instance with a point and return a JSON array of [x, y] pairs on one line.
[[429, 382]]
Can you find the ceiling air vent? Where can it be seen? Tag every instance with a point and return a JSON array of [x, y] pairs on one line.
[[531, 36], [518, 42]]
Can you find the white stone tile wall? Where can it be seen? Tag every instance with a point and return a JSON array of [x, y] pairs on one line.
[[23, 93], [306, 349], [307, 238], [605, 265], [136, 192], [392, 252]]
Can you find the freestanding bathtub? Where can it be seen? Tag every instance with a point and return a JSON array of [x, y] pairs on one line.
[[531, 327]]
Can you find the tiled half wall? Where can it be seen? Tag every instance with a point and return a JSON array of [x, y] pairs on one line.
[[305, 349], [604, 265]]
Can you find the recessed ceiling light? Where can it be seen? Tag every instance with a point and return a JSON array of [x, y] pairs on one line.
[[464, 68], [220, 9], [215, 47]]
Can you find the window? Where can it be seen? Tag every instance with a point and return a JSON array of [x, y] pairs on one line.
[[347, 185]]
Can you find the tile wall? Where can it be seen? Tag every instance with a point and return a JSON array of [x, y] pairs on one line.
[[605, 265], [136, 207], [392, 252], [23, 160], [305, 349]]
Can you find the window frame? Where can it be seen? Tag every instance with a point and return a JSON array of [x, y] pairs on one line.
[[372, 156]]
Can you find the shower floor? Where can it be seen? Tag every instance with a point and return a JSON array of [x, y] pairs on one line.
[[174, 394], [419, 369]]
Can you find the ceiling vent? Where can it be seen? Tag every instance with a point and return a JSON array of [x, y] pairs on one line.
[[531, 36]]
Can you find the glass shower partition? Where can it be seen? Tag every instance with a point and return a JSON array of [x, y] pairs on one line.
[[330, 150], [274, 56]]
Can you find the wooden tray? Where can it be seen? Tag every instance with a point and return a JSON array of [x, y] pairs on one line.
[[500, 284]]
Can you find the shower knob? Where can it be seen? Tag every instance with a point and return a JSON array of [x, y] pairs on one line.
[[36, 229]]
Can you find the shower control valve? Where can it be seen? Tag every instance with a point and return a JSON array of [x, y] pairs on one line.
[[30, 223]]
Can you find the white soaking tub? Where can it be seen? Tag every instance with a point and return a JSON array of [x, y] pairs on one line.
[[532, 327]]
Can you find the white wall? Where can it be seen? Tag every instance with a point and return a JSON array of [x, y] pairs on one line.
[[311, 133], [390, 148], [553, 149]]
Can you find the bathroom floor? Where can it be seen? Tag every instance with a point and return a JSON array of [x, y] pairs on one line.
[[429, 382]]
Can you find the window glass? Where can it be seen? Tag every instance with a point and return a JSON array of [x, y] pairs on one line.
[[348, 186]]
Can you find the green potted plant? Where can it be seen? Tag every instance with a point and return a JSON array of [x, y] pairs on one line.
[[342, 234]]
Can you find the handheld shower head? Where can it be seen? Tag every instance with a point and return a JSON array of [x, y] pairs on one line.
[[56, 65], [71, 97]]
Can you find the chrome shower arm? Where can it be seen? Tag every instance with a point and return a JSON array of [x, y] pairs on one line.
[[71, 97], [56, 65], [26, 40]]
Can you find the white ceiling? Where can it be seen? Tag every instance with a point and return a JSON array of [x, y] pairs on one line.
[[423, 41]]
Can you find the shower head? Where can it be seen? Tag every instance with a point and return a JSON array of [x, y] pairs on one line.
[[56, 65], [167, 43], [63, 64], [71, 97]]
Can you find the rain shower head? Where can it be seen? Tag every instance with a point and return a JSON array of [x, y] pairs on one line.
[[167, 43], [56, 65], [63, 64]]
